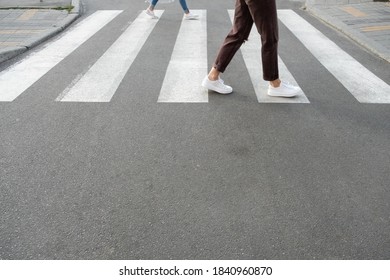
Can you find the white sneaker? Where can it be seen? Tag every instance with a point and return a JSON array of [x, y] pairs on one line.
[[217, 86], [191, 16], [150, 13], [284, 90]]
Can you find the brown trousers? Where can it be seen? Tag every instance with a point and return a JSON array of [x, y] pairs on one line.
[[263, 14]]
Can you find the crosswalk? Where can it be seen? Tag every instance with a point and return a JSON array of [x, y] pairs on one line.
[[250, 50], [188, 62], [361, 83], [189, 56], [99, 84], [16, 79]]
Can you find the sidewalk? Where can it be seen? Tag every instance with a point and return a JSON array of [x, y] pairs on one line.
[[27, 23], [366, 23]]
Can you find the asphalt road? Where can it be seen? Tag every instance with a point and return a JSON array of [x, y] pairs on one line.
[[229, 179]]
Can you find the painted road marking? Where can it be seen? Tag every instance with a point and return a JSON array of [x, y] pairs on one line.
[[16, 79], [361, 83], [100, 83], [251, 52], [188, 64]]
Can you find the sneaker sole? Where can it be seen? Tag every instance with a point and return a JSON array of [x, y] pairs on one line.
[[281, 95], [215, 89], [284, 95]]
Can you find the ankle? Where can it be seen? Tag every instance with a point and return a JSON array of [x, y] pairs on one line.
[[275, 83], [213, 75]]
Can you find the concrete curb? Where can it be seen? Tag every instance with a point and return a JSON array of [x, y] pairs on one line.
[[11, 52], [74, 4], [354, 35]]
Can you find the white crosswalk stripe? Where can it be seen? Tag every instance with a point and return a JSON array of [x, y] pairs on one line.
[[361, 83], [100, 83], [188, 63], [16, 79], [251, 53]]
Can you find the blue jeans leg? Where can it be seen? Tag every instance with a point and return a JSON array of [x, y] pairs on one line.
[[184, 6], [182, 3]]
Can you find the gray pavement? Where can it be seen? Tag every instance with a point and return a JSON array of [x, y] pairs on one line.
[[366, 23], [229, 179], [27, 23]]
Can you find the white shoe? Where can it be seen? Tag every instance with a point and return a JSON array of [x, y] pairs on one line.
[[284, 90], [150, 13], [191, 16], [217, 86]]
